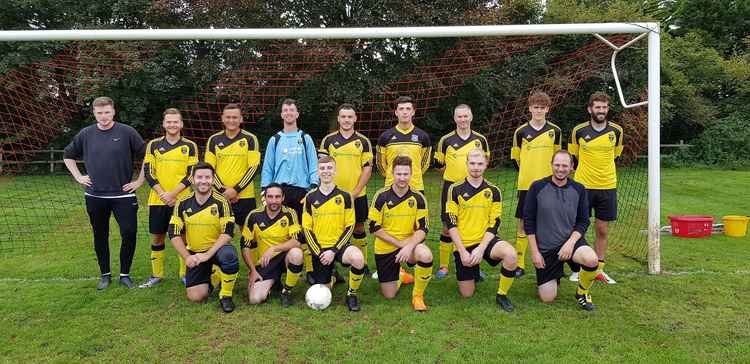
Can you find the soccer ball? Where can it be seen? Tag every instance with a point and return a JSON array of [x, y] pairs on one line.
[[318, 297]]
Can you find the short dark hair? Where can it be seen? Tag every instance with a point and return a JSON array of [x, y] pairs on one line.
[[599, 96], [539, 98], [401, 160], [172, 111], [326, 159], [289, 101], [562, 151], [405, 100], [203, 165], [102, 101], [232, 106], [275, 185], [345, 106]]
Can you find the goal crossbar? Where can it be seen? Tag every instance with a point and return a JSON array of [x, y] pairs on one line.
[[654, 82]]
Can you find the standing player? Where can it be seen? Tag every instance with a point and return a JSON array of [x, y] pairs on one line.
[[167, 168], [596, 144], [450, 156], [327, 222], [201, 230], [352, 152], [273, 230], [398, 219], [473, 217], [404, 139], [291, 161], [555, 217], [234, 154], [533, 145], [108, 149]]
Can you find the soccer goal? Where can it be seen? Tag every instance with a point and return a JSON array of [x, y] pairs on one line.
[[44, 101]]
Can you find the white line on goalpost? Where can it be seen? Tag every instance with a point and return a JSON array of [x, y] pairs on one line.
[[654, 82]]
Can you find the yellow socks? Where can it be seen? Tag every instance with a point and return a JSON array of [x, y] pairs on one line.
[[157, 261], [422, 276], [293, 272], [308, 258], [600, 267], [446, 249], [227, 284], [506, 280], [215, 276], [522, 242], [586, 279], [360, 241], [183, 267], [355, 280]]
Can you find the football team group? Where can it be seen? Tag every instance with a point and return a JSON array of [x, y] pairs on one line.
[[314, 207]]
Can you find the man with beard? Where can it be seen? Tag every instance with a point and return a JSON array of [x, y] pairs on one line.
[[596, 144]]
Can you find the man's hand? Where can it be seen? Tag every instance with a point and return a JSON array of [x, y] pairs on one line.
[[84, 180], [327, 257], [192, 261], [253, 276], [476, 255], [169, 198], [132, 186], [566, 251], [405, 253], [231, 194], [267, 256], [537, 259], [466, 258]]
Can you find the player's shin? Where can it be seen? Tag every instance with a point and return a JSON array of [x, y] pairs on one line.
[[293, 271], [157, 261], [308, 258], [506, 280], [182, 268], [586, 279], [215, 276], [423, 275], [355, 279], [522, 242], [360, 241], [446, 249]]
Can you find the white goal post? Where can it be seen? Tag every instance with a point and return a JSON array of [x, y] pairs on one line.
[[651, 29]]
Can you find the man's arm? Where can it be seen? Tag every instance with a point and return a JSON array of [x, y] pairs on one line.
[[307, 228], [363, 179], [269, 162], [312, 161], [73, 151], [76, 173]]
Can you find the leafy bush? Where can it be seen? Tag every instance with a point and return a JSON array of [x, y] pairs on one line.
[[725, 144]]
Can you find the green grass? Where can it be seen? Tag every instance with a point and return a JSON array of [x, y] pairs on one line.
[[697, 312]]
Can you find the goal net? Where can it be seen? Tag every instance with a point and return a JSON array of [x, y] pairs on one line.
[[44, 102]]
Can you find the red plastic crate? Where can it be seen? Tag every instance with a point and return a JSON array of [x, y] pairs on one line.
[[692, 226]]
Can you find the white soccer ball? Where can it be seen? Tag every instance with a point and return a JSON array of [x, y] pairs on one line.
[[318, 297]]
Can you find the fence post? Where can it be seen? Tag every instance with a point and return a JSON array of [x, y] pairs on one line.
[[51, 161]]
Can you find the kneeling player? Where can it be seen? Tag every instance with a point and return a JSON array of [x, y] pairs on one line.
[[273, 231], [473, 216], [555, 218], [398, 219], [328, 223], [204, 220]]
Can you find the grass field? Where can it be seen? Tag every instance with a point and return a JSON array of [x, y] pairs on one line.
[[695, 312]]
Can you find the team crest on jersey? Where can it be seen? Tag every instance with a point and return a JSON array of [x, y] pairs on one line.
[[414, 137], [214, 210], [551, 134], [611, 137], [486, 194], [338, 200], [477, 144], [357, 144], [283, 223], [242, 143], [184, 149], [411, 203]]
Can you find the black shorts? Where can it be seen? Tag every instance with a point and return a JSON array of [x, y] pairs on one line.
[[241, 209], [322, 273], [472, 273], [388, 269], [444, 199], [276, 266], [158, 218], [603, 203], [225, 258], [553, 266], [521, 204], [361, 209]]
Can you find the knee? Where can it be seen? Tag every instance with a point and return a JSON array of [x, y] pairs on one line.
[[227, 258], [357, 259], [198, 297], [466, 292], [389, 294], [255, 298], [547, 299], [295, 256], [422, 254]]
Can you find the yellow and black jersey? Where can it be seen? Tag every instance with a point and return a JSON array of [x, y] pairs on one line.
[[473, 210], [201, 224], [533, 150], [399, 216], [168, 165], [351, 155], [451, 153], [596, 152], [414, 143], [327, 220], [236, 160], [264, 232]]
